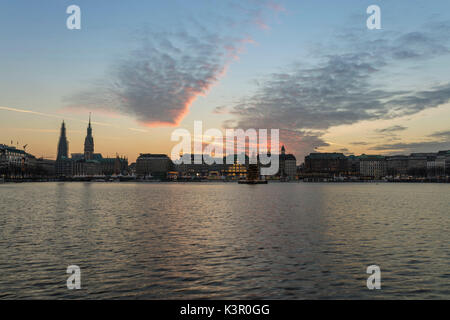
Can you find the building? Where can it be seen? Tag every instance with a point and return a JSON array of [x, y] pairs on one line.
[[14, 163], [18, 164], [87, 163], [189, 169], [89, 143], [397, 166], [153, 165], [372, 166], [63, 165], [326, 164], [353, 166], [417, 164], [43, 168], [442, 164], [132, 169], [236, 170], [288, 165], [63, 144]]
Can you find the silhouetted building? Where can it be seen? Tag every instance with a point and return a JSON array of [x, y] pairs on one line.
[[87, 163], [188, 167], [63, 165], [44, 167], [14, 163], [417, 164], [397, 166], [353, 166], [101, 166], [89, 143], [153, 165], [288, 165], [327, 164], [442, 164], [63, 145]]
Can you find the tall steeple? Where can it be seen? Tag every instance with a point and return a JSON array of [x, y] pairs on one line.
[[282, 162], [63, 145], [89, 142]]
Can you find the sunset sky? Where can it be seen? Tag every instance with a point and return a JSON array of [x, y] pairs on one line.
[[144, 68]]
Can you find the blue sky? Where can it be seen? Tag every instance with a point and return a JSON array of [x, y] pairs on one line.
[[146, 67]]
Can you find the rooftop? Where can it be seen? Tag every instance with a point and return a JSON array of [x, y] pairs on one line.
[[333, 155]]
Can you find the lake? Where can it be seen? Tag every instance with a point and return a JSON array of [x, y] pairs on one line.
[[224, 240]]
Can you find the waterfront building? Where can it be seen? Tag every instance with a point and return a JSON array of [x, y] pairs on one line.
[[64, 167], [372, 166], [43, 168], [353, 166], [230, 166], [115, 166], [442, 163], [87, 163], [14, 163], [132, 169], [80, 156], [288, 165], [153, 165], [322, 166], [236, 170], [101, 166], [86, 168], [189, 169], [417, 164], [397, 166], [431, 167], [326, 164]]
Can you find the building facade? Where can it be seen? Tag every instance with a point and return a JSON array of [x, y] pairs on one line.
[[87, 163], [326, 164], [150, 165], [372, 166], [288, 165], [14, 163], [397, 166]]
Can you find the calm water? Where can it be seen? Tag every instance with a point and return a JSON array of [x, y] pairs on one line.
[[277, 241]]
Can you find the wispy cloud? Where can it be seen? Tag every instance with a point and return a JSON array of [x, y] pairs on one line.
[[409, 147], [439, 140], [359, 143], [58, 116], [391, 129], [441, 135]]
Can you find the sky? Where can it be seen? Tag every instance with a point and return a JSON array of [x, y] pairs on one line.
[[311, 69]]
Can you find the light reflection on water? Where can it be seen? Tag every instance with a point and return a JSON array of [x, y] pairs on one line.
[[276, 241]]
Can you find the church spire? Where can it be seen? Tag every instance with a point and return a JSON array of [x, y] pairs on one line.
[[63, 145], [89, 142]]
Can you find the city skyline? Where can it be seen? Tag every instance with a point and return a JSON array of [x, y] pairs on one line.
[[64, 152], [313, 71]]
